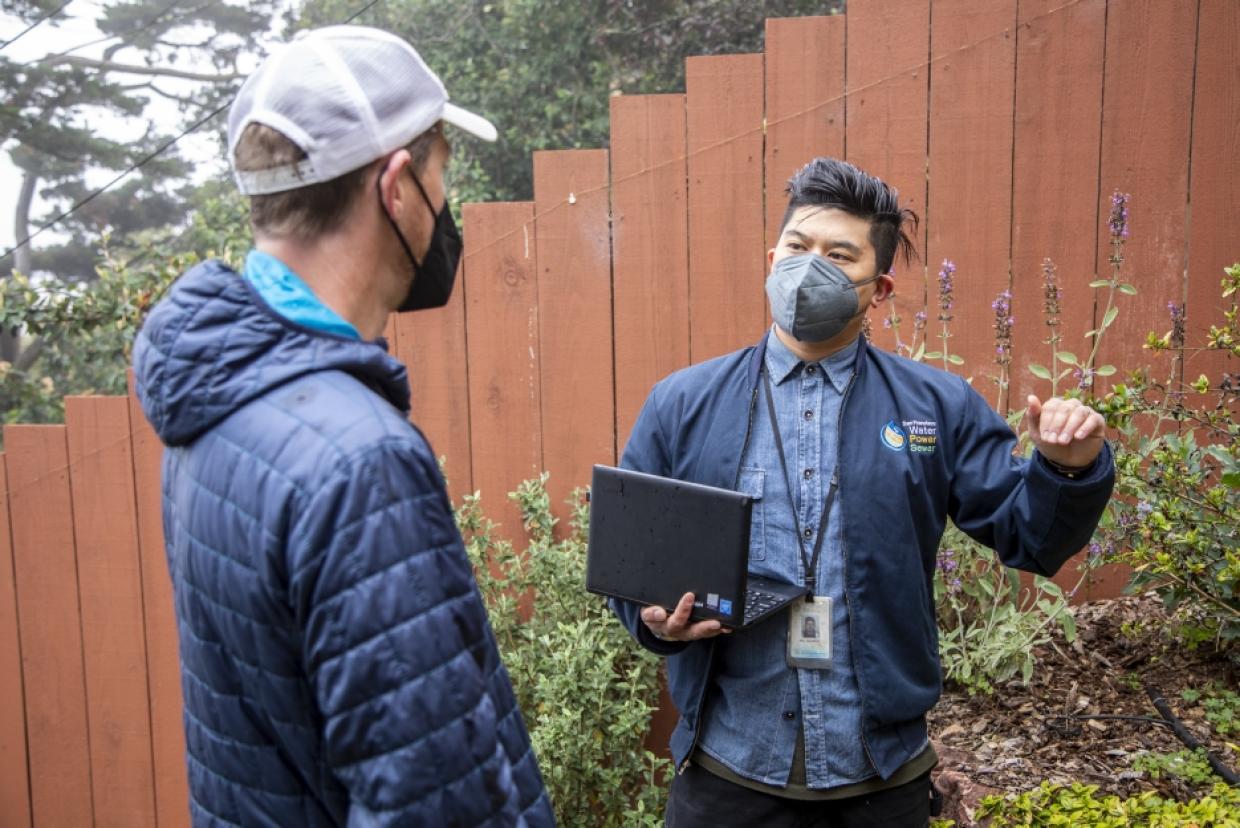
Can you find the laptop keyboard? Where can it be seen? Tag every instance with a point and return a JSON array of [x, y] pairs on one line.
[[758, 601]]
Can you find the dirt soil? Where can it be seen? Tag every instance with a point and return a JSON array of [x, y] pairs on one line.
[[1014, 739]]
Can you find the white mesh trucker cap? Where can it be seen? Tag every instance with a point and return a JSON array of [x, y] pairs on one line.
[[346, 95]]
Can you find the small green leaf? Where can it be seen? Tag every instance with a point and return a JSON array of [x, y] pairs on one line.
[[1231, 479], [921, 352], [1105, 370], [1110, 317], [1068, 357], [955, 360], [1039, 371], [1127, 289], [933, 354], [1097, 283]]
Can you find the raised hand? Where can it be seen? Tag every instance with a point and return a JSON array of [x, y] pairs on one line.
[[1067, 432]]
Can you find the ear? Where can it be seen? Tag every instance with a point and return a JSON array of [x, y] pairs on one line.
[[770, 259], [394, 184], [883, 288]]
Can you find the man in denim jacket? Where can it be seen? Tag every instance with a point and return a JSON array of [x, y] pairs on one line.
[[877, 452]]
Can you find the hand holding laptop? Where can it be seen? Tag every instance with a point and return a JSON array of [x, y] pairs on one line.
[[676, 627]]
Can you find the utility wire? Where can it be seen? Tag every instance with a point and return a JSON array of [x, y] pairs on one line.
[[146, 159], [124, 39], [26, 30]]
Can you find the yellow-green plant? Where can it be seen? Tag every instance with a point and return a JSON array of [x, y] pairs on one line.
[[1076, 804]]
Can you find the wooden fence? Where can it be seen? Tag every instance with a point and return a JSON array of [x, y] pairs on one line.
[[1006, 125]]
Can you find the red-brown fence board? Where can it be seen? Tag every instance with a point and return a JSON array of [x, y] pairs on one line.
[[973, 48], [14, 780], [162, 651], [110, 588], [49, 619], [431, 343], [1147, 110], [1058, 83], [1058, 118], [571, 205], [501, 277], [650, 256], [727, 263], [1213, 242], [804, 102], [887, 102]]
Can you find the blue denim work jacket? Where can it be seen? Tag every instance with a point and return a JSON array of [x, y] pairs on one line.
[[916, 446]]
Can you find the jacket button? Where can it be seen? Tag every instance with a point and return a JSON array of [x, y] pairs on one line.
[[807, 532], [807, 474], [789, 715], [811, 369], [809, 414]]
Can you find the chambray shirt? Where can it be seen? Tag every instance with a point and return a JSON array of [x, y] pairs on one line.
[[757, 704]]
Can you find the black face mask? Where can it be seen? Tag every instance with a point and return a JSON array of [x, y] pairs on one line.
[[434, 277]]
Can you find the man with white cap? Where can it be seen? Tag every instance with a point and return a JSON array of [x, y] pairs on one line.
[[338, 667]]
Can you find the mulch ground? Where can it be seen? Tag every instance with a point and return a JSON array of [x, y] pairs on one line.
[[1021, 735]]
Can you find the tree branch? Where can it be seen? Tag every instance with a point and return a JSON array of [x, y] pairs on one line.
[[28, 356], [133, 69]]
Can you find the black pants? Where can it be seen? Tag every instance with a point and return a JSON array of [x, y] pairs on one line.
[[699, 799]]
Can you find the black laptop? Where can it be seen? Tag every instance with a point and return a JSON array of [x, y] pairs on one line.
[[652, 539]]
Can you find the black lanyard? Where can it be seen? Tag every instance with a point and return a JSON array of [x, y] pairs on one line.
[[810, 563]]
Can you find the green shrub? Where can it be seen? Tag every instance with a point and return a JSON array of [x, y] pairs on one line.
[[1176, 519], [987, 627], [586, 691], [1078, 805]]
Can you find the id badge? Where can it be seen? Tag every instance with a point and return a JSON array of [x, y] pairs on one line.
[[809, 633]]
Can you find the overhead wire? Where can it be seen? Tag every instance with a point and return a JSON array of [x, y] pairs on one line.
[[35, 25], [576, 195], [151, 156], [125, 38], [764, 126]]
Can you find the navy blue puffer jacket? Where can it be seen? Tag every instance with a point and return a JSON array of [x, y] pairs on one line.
[[336, 660]]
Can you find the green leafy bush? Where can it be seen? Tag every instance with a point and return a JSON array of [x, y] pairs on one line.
[[1222, 708], [1190, 765], [1176, 519], [1078, 805], [987, 627], [587, 693], [78, 337]]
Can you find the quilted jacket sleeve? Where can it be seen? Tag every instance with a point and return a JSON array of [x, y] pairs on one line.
[[401, 659]]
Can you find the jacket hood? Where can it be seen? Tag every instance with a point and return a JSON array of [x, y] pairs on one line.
[[212, 345]]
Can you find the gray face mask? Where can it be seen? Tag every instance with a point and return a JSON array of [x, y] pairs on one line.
[[811, 298]]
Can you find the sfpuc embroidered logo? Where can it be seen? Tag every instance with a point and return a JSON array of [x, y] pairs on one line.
[[893, 436], [918, 436]]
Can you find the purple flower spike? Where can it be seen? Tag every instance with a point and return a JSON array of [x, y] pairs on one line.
[[1119, 215], [1002, 307], [946, 274]]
